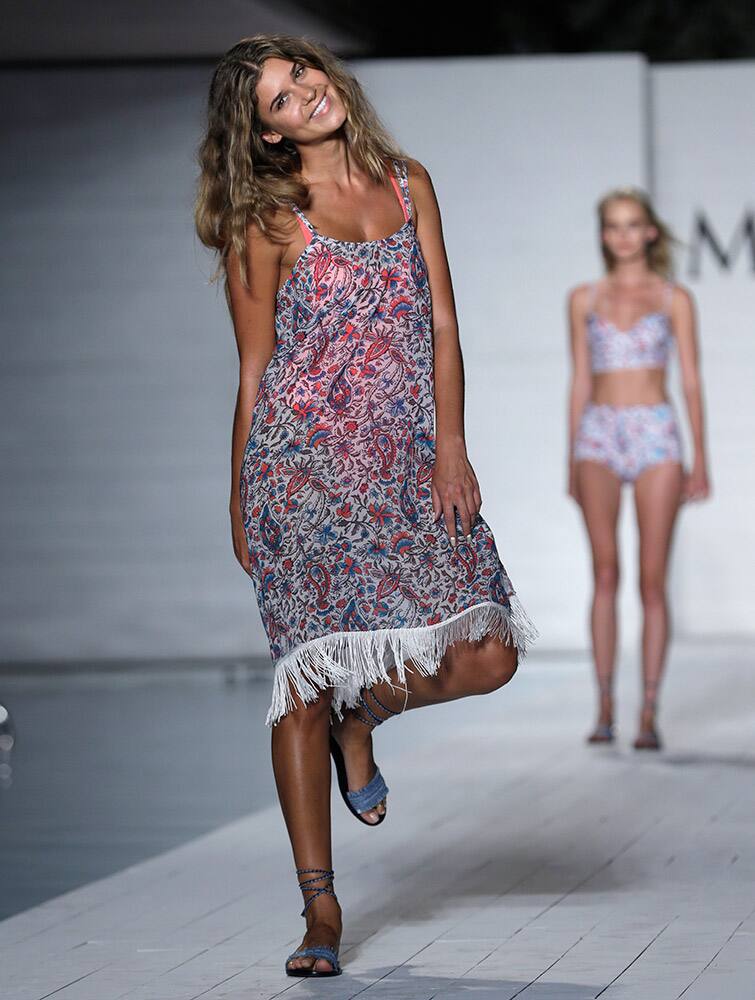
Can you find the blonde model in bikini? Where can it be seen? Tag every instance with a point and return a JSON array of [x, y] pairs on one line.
[[623, 429]]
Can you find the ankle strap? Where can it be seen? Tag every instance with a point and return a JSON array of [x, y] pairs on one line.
[[650, 695], [376, 720], [307, 885]]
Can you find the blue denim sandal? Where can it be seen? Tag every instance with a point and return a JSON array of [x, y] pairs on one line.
[[366, 798], [315, 951]]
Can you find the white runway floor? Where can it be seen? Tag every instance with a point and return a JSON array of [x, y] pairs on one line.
[[515, 861]]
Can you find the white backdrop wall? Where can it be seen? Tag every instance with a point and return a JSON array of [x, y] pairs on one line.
[[118, 361], [118, 376], [704, 144]]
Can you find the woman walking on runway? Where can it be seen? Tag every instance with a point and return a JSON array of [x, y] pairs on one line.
[[622, 428], [330, 241]]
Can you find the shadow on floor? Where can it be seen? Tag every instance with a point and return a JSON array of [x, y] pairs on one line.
[[402, 984], [708, 759]]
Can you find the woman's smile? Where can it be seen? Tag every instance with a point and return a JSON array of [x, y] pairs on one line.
[[322, 106]]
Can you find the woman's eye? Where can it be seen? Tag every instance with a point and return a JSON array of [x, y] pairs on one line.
[[297, 74]]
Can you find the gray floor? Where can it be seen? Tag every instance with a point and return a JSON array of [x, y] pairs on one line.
[[515, 861]]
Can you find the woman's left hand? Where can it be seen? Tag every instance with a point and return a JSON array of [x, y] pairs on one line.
[[455, 488], [696, 483]]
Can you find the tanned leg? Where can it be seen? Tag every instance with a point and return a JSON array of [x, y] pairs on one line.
[[657, 499], [301, 764], [600, 498]]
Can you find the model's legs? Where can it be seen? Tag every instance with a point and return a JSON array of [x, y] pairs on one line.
[[599, 491], [466, 668], [301, 764], [657, 499]]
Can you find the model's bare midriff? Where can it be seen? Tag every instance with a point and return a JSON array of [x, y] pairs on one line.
[[629, 387]]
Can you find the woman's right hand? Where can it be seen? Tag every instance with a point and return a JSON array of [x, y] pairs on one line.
[[240, 545]]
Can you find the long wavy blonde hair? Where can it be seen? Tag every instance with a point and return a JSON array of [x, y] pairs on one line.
[[659, 251], [244, 179]]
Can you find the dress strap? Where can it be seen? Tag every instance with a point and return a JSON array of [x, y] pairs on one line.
[[306, 226], [402, 187]]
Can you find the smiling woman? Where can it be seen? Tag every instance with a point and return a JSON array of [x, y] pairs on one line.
[[247, 178], [348, 444]]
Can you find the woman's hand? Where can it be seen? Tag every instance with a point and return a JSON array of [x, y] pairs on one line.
[[696, 483], [240, 546], [454, 486]]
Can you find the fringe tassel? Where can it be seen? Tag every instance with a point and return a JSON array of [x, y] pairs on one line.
[[350, 661]]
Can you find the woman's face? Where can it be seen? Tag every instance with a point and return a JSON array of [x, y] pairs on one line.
[[626, 231], [297, 102]]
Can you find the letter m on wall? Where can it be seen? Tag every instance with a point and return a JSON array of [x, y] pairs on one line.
[[705, 238]]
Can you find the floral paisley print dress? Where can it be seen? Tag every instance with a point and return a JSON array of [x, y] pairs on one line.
[[352, 574]]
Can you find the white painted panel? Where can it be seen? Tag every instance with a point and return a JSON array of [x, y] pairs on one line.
[[704, 142]]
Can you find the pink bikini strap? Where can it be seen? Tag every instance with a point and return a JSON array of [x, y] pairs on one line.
[[306, 226], [402, 188]]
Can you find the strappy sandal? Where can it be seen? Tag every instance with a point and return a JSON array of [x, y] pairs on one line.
[[315, 951], [648, 739], [366, 798], [602, 734]]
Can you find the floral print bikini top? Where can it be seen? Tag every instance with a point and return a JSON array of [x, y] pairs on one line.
[[646, 344]]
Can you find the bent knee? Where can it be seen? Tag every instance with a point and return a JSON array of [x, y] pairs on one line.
[[499, 669]]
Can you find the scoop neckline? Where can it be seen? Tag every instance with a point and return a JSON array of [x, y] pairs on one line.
[[358, 243]]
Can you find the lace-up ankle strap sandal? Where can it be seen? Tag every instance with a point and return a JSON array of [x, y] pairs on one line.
[[324, 951], [366, 798], [648, 738], [374, 720], [602, 734], [604, 731]]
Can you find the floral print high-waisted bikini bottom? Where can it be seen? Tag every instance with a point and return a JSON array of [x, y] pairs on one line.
[[628, 439]]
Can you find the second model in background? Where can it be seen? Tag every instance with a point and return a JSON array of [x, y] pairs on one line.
[[623, 429]]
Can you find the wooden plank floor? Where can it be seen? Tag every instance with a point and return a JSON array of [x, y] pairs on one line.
[[515, 861]]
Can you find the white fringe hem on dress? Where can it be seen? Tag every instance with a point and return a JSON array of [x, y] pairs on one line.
[[350, 661]]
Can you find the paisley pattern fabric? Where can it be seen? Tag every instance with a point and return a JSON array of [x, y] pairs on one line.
[[628, 439], [352, 575], [647, 344]]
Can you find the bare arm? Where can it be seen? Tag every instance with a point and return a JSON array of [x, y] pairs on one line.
[[581, 376], [684, 324], [454, 484], [253, 313]]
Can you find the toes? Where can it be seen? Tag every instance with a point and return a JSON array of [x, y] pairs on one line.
[[323, 965], [373, 815], [301, 963]]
